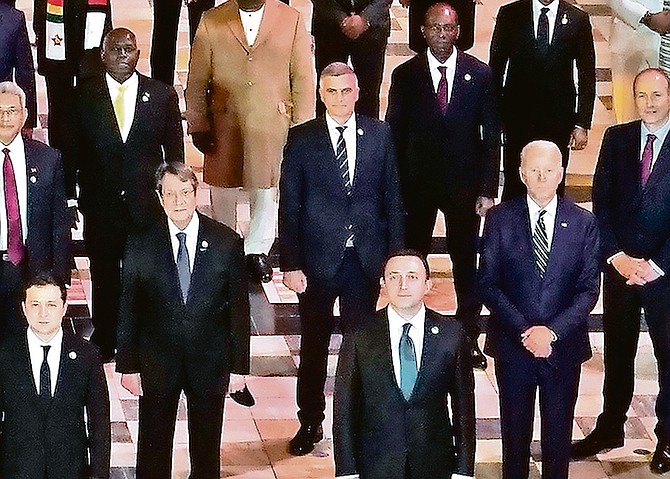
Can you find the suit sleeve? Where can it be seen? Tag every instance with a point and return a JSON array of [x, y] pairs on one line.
[[173, 135], [330, 11], [60, 226], [346, 407], [25, 72], [240, 319], [630, 11], [127, 359], [499, 51], [396, 116], [198, 113], [394, 210], [303, 87], [290, 205], [97, 412], [490, 123], [586, 74], [602, 197], [377, 12], [462, 395]]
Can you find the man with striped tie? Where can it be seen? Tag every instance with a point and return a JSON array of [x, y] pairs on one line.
[[540, 278], [340, 215]]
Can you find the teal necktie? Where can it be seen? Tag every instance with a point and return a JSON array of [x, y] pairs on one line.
[[408, 370]]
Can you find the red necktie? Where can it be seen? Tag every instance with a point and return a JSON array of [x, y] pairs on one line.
[[442, 90], [647, 155], [15, 251]]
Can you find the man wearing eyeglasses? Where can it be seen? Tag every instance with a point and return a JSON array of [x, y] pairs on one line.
[[34, 232]]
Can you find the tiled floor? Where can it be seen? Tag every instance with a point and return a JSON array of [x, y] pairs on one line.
[[255, 439]]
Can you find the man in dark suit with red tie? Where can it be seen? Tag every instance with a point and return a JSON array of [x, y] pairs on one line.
[[442, 112], [34, 227], [540, 278], [631, 199], [183, 326]]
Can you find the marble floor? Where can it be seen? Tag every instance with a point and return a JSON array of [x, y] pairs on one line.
[[255, 439]]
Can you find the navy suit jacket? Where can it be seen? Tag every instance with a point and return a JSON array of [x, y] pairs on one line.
[[512, 290], [632, 218], [16, 57], [328, 15], [315, 214], [48, 239], [377, 431], [33, 440], [456, 155], [116, 178], [175, 345]]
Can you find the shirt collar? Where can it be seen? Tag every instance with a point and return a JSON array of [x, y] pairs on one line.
[[15, 145], [130, 83], [396, 321], [433, 62], [660, 133], [534, 208], [35, 341], [258, 12], [191, 229], [350, 123], [553, 8]]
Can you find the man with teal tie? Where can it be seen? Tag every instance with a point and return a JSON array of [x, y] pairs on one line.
[[391, 416]]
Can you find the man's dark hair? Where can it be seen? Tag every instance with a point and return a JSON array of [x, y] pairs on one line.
[[408, 252], [44, 278], [180, 170]]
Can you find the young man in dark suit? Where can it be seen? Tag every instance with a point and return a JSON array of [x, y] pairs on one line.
[[535, 47], [447, 134], [540, 278], [340, 214], [395, 376], [48, 380], [127, 125], [183, 326], [34, 230], [631, 199]]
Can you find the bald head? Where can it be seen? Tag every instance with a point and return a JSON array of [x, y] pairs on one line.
[[441, 30], [541, 170], [120, 54]]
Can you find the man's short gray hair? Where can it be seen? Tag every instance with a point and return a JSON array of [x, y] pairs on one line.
[[12, 88]]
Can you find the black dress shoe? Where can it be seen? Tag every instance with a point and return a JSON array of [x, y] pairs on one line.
[[660, 461], [595, 443], [478, 359], [259, 267], [304, 440], [243, 397]]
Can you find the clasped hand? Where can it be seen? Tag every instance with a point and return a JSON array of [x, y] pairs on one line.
[[637, 271], [538, 340]]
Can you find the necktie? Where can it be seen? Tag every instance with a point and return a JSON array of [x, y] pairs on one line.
[[543, 31], [120, 107], [183, 266], [442, 90], [664, 50], [408, 369], [45, 375], [647, 155], [342, 161], [15, 249], [541, 245]]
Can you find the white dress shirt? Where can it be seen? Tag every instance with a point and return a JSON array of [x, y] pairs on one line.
[[349, 140], [17, 153], [191, 232], [549, 217], [435, 74], [551, 16], [132, 84], [36, 352], [251, 23]]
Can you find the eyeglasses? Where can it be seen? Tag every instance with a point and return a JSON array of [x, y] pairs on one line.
[[182, 195], [442, 28], [10, 112]]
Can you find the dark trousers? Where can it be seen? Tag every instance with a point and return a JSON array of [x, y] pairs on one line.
[[367, 59], [621, 326], [158, 414], [462, 236], [358, 297], [514, 143], [60, 92], [518, 379], [164, 37], [11, 281]]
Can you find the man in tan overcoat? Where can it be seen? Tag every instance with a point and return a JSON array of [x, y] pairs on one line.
[[250, 78]]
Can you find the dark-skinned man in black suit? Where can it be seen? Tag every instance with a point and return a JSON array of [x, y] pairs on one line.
[[631, 200], [183, 326], [447, 134], [417, 11], [340, 214]]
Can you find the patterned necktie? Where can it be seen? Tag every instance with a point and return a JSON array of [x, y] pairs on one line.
[[120, 107], [342, 161], [45, 375], [647, 155], [664, 51], [15, 248], [541, 245], [443, 90], [183, 266], [543, 31], [408, 369]]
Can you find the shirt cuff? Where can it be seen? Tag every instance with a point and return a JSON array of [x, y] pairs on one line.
[[72, 203], [350, 476], [611, 258], [461, 476], [655, 267]]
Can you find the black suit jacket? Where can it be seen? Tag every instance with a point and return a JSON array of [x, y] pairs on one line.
[[174, 345], [632, 218], [511, 287], [539, 91], [328, 15], [456, 155], [16, 57], [48, 240], [116, 179], [315, 215], [33, 440], [377, 431]]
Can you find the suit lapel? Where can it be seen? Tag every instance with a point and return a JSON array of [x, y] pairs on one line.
[[381, 346], [32, 171], [270, 18], [561, 24], [363, 152], [141, 92], [201, 262], [66, 369], [562, 232], [431, 331], [235, 24], [660, 170]]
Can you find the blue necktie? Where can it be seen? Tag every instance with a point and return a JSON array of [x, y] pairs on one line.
[[541, 245], [183, 266], [408, 370], [342, 161]]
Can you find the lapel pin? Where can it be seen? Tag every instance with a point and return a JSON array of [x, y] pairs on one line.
[[146, 96], [360, 132], [204, 244], [33, 179], [564, 20], [467, 77], [564, 224], [434, 330], [72, 355], [33, 169]]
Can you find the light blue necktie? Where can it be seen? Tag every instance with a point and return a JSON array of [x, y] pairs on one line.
[[183, 266], [408, 370]]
